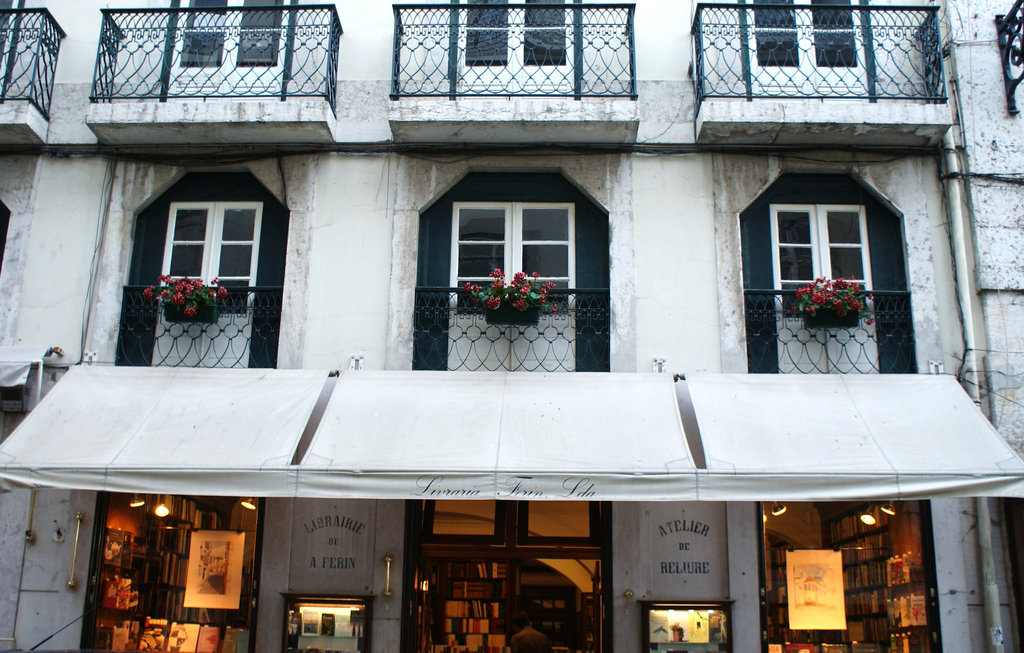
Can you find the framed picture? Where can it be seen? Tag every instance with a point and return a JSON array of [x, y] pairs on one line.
[[214, 578], [816, 599]]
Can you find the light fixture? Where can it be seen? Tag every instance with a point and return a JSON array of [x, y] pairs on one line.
[[888, 509], [868, 518], [137, 501], [248, 503], [161, 510], [778, 509]]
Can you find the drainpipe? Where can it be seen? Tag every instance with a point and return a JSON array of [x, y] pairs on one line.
[[990, 591]]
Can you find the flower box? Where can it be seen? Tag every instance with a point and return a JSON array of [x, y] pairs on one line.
[[506, 314], [824, 319], [205, 314]]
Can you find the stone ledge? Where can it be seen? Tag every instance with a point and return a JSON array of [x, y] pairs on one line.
[[215, 121], [22, 124], [832, 122], [514, 120]]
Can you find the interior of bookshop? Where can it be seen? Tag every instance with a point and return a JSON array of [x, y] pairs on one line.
[[479, 562], [849, 578], [173, 573]]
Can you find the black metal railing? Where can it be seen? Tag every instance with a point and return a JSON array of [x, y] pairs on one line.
[[29, 43], [244, 334], [829, 51], [244, 52], [576, 50], [1010, 36], [449, 333], [778, 341]]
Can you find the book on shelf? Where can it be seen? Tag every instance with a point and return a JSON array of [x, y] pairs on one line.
[[154, 634], [327, 624], [209, 639], [182, 638]]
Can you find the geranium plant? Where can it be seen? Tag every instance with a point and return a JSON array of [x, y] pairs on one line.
[[185, 294], [839, 296], [525, 291]]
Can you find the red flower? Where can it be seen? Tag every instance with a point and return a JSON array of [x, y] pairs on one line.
[[493, 302], [222, 292], [519, 304], [189, 311], [535, 275], [178, 298], [147, 294]]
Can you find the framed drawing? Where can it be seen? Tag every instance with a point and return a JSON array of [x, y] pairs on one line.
[[815, 581], [214, 577]]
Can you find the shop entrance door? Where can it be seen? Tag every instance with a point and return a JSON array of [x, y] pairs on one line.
[[474, 564]]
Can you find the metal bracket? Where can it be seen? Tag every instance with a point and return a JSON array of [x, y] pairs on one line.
[[1011, 52]]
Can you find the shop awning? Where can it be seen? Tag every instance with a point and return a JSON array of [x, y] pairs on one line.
[[402, 435], [500, 435], [831, 437], [162, 429]]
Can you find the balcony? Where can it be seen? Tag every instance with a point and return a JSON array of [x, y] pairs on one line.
[[779, 343], [29, 43], [451, 334], [279, 64], [244, 335], [794, 74], [514, 73]]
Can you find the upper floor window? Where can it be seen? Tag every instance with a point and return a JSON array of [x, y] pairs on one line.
[[204, 40], [214, 240], [513, 236], [819, 240], [542, 43]]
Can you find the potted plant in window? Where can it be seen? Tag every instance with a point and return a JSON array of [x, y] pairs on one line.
[[187, 300], [825, 303], [518, 302]]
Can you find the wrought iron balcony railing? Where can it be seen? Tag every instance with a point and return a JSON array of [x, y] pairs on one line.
[[1010, 36], [576, 50], [243, 52], [819, 51], [779, 342], [245, 334], [29, 42], [449, 333]]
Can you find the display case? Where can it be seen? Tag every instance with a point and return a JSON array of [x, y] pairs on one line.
[[681, 627], [318, 623]]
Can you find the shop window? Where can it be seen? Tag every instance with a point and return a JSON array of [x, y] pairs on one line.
[[173, 573], [849, 577], [690, 627]]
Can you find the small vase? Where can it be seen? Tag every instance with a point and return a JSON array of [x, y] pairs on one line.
[[205, 314], [506, 314], [830, 319]]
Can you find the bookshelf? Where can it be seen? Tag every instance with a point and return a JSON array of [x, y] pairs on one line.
[[475, 600], [321, 622]]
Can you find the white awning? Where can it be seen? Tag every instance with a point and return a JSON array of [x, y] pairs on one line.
[[587, 436], [162, 429], [832, 437], [592, 436], [15, 362]]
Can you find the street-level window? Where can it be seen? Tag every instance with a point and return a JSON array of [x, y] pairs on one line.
[[811, 241], [527, 237], [214, 240]]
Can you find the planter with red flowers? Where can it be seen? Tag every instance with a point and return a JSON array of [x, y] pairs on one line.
[[187, 300], [519, 302], [832, 303]]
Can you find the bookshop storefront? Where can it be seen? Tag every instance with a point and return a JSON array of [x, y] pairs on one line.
[[622, 512]]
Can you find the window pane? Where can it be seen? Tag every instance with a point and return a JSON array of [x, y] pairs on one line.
[[795, 263], [239, 224], [776, 43], [186, 261], [545, 224], [235, 261], [843, 227], [486, 47], [479, 260], [549, 260], [544, 46], [794, 227], [846, 262], [481, 224], [190, 224], [456, 517], [833, 35], [559, 519]]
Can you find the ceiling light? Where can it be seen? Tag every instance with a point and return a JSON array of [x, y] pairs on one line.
[[249, 503], [888, 509], [161, 510], [868, 519], [778, 509], [137, 501]]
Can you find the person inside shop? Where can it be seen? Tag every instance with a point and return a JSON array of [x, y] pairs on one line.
[[526, 639]]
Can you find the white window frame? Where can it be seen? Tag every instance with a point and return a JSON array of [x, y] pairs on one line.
[[821, 248], [513, 243], [213, 240]]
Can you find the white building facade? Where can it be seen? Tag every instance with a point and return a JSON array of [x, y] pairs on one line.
[[676, 169]]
